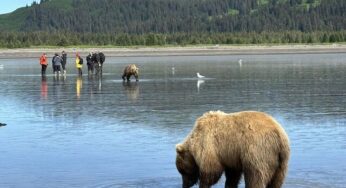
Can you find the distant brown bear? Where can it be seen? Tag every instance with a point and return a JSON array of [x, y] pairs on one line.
[[246, 142], [129, 71]]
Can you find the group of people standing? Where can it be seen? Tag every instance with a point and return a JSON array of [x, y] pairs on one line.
[[95, 62]]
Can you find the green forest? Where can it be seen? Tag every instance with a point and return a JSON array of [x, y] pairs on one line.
[[173, 22]]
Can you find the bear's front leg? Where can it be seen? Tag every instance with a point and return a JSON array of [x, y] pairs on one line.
[[233, 177]]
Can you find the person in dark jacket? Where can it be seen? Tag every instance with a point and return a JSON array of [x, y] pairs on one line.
[[56, 61], [64, 61], [95, 58], [102, 60], [97, 63], [98, 59], [90, 63]]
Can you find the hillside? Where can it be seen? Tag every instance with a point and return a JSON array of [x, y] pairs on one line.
[[174, 16]]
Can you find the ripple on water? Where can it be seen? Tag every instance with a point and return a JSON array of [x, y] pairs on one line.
[[166, 182]]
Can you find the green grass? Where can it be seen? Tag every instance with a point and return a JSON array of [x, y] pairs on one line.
[[265, 2], [262, 2], [233, 12], [253, 11], [282, 1], [317, 3], [305, 5]]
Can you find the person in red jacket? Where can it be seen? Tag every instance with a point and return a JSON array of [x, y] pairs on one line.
[[43, 63]]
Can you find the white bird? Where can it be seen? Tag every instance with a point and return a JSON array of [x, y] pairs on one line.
[[199, 76]]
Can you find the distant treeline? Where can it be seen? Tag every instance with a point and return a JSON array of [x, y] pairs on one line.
[[173, 22], [30, 39], [186, 16]]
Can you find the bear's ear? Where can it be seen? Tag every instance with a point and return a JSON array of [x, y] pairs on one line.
[[180, 148]]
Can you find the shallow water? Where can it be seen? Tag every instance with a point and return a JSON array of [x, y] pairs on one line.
[[90, 132]]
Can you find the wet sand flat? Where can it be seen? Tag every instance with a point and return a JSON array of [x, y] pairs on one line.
[[180, 51]]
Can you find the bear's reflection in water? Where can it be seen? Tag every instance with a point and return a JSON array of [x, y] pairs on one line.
[[132, 90]]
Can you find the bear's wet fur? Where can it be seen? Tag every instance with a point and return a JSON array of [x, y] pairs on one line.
[[250, 143], [129, 71]]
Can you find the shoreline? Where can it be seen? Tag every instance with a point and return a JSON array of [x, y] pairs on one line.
[[179, 51]]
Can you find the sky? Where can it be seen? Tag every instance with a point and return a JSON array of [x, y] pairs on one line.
[[8, 6]]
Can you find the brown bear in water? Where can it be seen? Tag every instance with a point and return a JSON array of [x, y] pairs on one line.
[[246, 142], [129, 71]]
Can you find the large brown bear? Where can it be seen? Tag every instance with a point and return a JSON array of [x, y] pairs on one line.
[[129, 71], [246, 142]]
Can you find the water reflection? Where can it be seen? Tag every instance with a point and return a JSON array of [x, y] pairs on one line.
[[44, 88], [199, 83], [79, 85], [100, 83], [240, 62], [113, 133], [131, 90]]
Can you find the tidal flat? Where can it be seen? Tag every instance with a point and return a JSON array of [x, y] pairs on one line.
[[71, 131]]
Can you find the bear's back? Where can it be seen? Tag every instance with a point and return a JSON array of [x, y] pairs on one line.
[[230, 135], [252, 120], [131, 69], [240, 127]]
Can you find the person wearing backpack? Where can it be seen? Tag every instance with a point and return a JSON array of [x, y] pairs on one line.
[[56, 61], [79, 64]]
